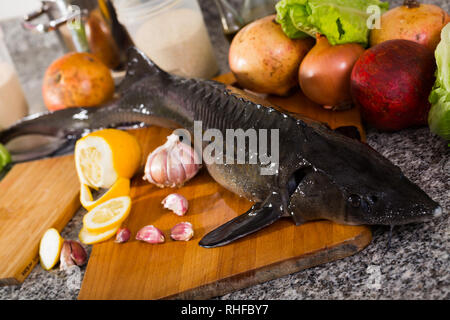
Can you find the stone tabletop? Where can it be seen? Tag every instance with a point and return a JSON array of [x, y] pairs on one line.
[[417, 266]]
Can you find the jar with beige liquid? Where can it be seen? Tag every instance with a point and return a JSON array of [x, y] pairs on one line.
[[13, 105], [172, 33]]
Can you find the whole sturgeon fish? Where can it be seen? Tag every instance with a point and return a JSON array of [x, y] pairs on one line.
[[321, 174]]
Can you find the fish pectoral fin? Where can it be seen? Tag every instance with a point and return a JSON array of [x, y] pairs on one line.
[[259, 216]]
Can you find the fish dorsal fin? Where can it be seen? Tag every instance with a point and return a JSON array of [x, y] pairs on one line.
[[139, 66]]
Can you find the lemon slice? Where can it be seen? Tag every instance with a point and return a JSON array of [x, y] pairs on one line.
[[103, 156], [50, 248], [88, 237], [119, 189], [107, 215]]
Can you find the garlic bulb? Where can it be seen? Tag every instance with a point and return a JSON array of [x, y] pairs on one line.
[[171, 164]]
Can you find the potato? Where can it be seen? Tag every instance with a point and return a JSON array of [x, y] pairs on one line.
[[77, 79], [263, 59]]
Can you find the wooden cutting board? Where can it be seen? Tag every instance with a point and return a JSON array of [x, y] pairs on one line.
[[34, 196], [184, 270]]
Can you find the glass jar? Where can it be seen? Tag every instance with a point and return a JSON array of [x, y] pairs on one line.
[[13, 105], [172, 33]]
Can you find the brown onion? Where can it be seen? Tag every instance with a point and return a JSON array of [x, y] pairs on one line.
[[324, 74]]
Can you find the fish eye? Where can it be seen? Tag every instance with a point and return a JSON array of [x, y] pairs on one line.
[[354, 200]]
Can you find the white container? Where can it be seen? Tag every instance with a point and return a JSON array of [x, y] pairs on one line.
[[13, 105], [172, 33]]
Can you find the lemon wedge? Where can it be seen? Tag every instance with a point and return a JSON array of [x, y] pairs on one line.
[[119, 189], [103, 156], [108, 215], [50, 248], [88, 237]]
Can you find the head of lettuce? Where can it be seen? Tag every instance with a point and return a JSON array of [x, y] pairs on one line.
[[5, 157], [341, 21], [439, 116]]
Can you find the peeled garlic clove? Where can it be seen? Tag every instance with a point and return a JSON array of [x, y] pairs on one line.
[[122, 235], [172, 164], [72, 253], [182, 232], [177, 203], [150, 234]]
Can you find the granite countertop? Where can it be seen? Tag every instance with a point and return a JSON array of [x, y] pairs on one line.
[[416, 266]]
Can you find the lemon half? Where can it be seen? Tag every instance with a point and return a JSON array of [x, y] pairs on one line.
[[103, 156]]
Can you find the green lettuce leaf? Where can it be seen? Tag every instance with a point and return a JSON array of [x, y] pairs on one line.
[[439, 116], [5, 157], [284, 10], [341, 21]]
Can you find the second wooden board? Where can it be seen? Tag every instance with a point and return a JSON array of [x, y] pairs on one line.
[[138, 270]]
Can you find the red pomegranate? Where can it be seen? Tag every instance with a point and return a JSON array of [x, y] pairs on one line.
[[391, 83]]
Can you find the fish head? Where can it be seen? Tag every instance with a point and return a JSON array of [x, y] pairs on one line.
[[376, 192], [395, 202], [363, 187]]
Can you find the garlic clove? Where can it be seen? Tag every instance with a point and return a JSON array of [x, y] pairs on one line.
[[150, 234], [122, 235], [175, 170], [78, 255], [65, 259], [72, 253], [189, 160], [182, 232], [158, 168], [177, 203]]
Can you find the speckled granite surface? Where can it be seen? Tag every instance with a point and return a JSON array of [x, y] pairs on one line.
[[416, 267]]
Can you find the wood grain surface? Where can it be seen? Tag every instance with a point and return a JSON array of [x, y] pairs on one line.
[[34, 196]]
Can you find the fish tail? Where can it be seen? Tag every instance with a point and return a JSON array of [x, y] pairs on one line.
[[48, 123], [60, 127], [139, 66]]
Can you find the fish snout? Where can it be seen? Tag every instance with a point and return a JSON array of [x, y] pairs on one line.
[[412, 204], [425, 215], [401, 213]]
